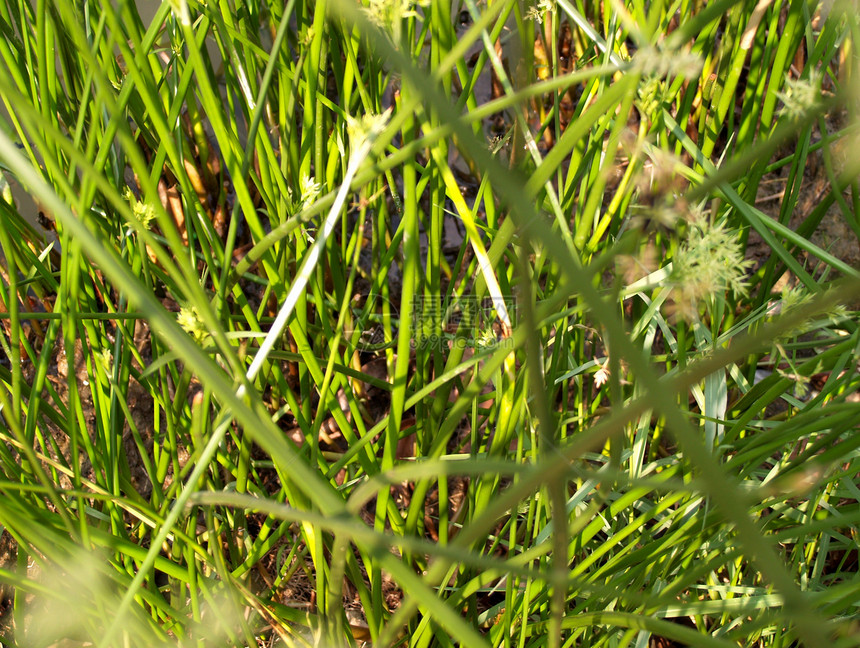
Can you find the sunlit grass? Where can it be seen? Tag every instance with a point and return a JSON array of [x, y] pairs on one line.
[[428, 324]]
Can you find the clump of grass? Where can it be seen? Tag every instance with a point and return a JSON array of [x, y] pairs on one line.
[[240, 195]]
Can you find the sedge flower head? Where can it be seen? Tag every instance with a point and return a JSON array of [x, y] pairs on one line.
[[794, 297], [365, 128], [601, 376], [799, 96], [104, 359], [540, 9], [388, 15], [192, 323], [710, 262], [309, 191], [656, 62], [144, 212]]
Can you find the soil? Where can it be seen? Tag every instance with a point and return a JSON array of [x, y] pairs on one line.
[[833, 234]]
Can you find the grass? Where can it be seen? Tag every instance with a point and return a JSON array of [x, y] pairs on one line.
[[429, 325]]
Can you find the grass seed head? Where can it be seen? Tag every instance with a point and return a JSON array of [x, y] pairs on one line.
[[388, 15], [799, 96], [710, 262], [656, 62], [794, 297]]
